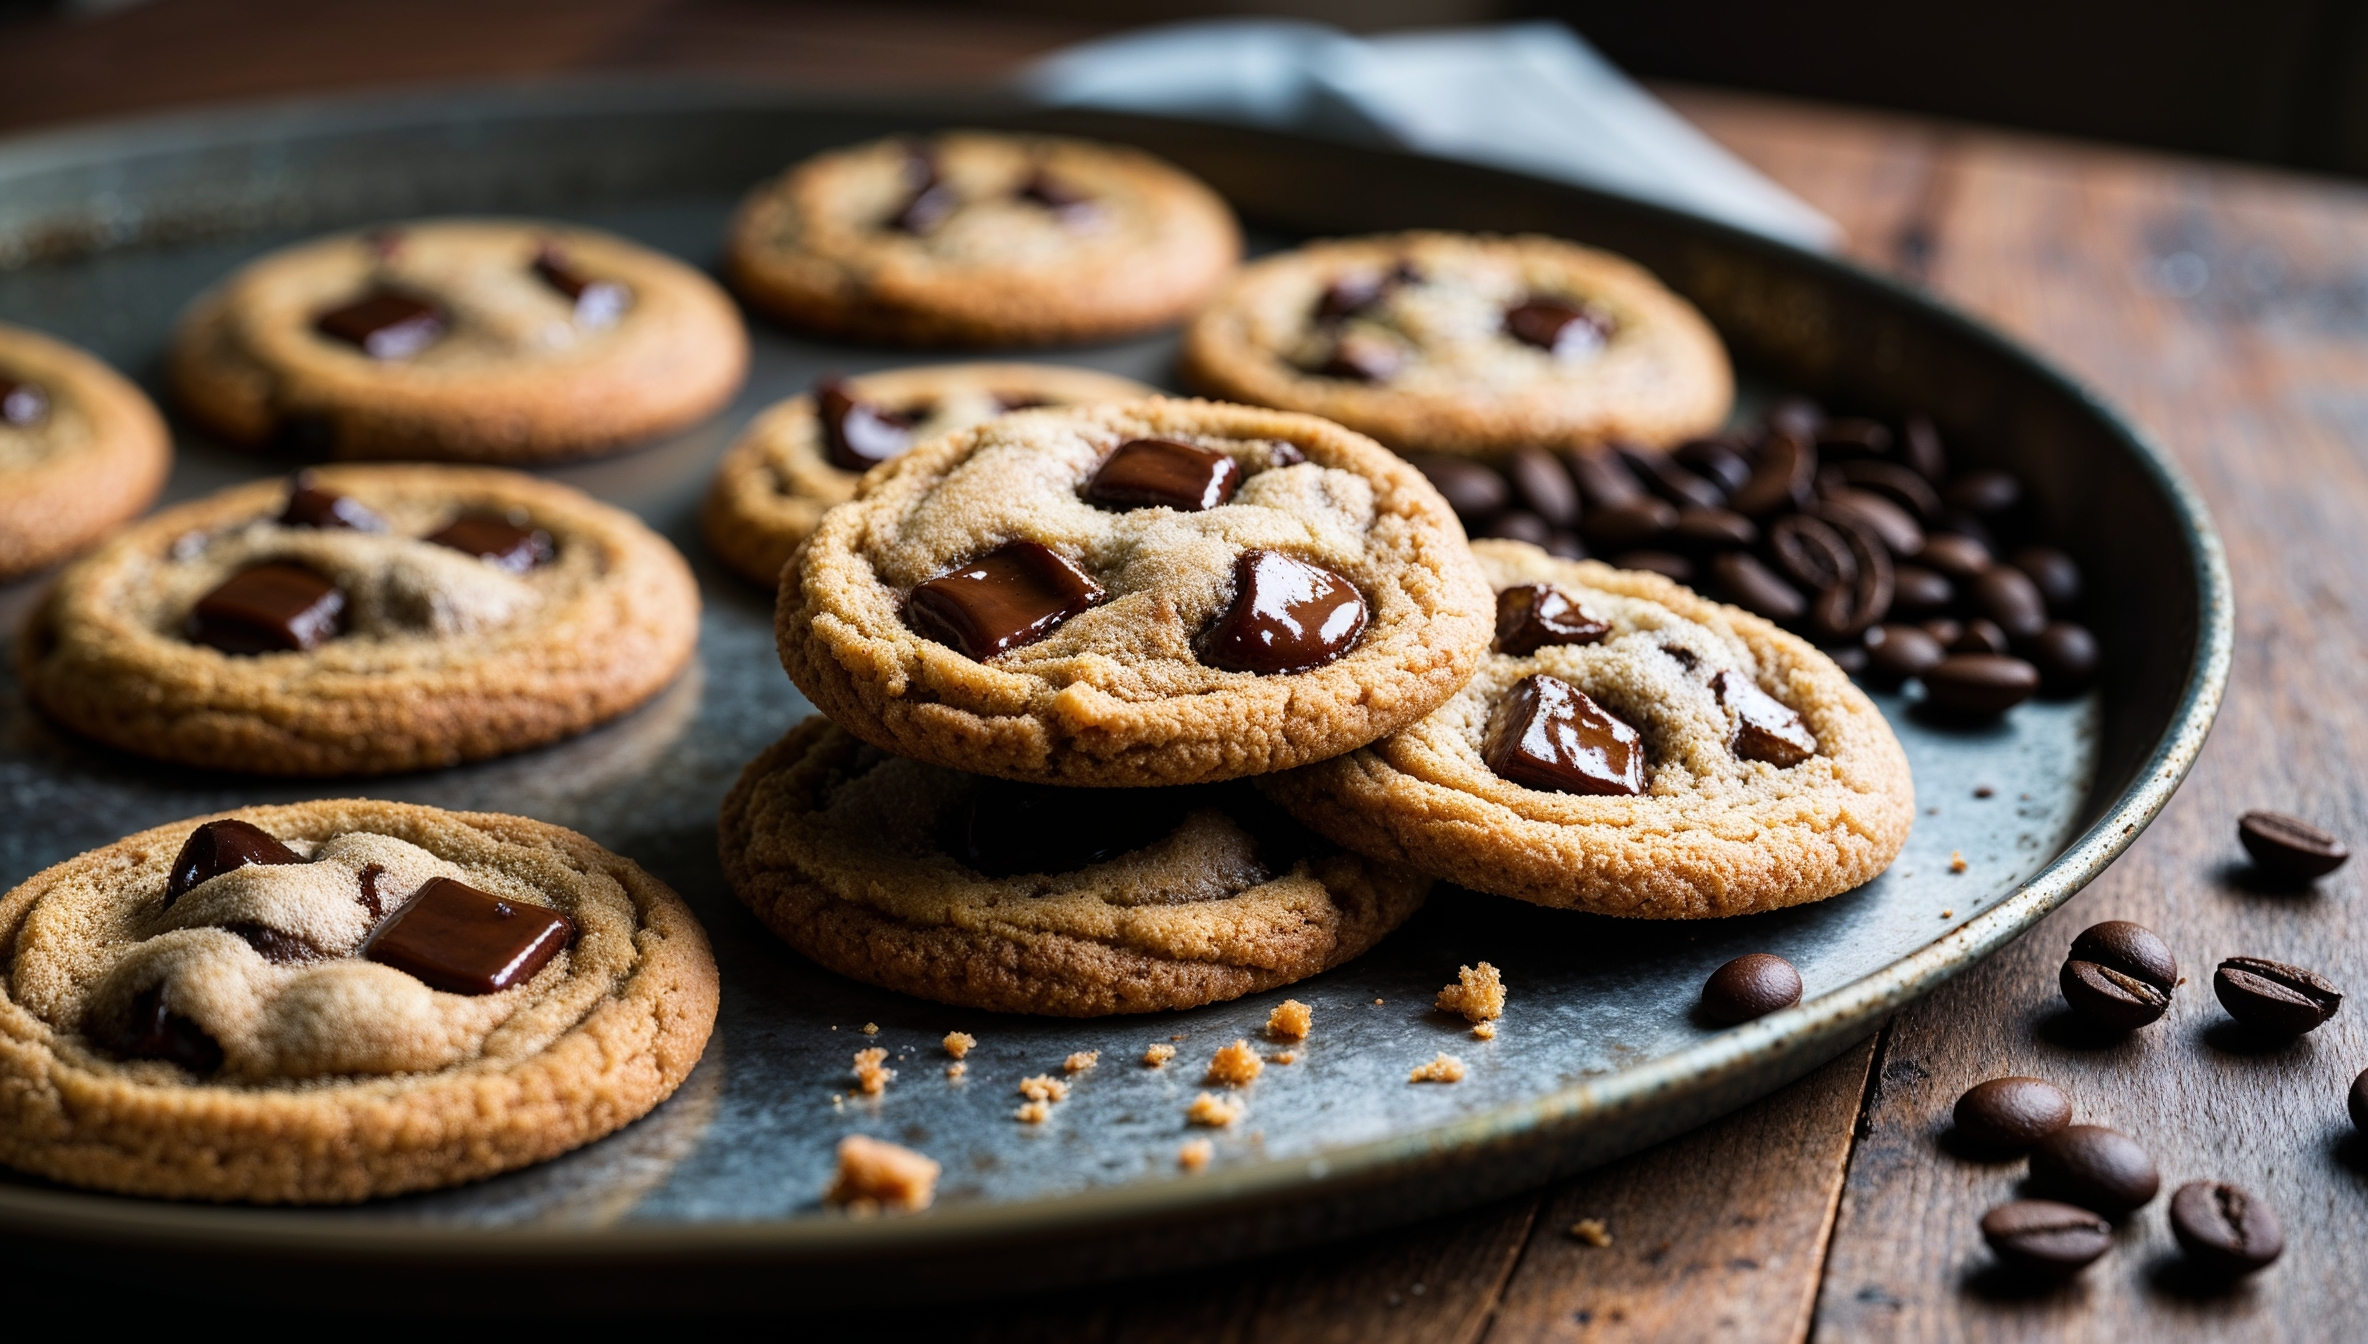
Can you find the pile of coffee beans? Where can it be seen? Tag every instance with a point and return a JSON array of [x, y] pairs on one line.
[[1856, 534]]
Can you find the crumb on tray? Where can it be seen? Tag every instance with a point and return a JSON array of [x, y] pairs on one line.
[[1195, 1154], [1235, 1065], [1290, 1020], [874, 1174], [1445, 1069], [958, 1043], [1214, 1111], [1158, 1055], [872, 1072], [1081, 1061], [1592, 1231], [1478, 993]]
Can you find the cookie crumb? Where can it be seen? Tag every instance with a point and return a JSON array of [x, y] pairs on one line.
[[1235, 1065], [1290, 1020], [1592, 1231], [1033, 1112], [1081, 1061], [1157, 1056], [1195, 1154], [873, 1175], [1957, 862], [1445, 1069], [958, 1043], [871, 1028], [956, 1070], [1377, 1003], [871, 1071], [1044, 1087], [1478, 994], [1948, 914], [1214, 1111], [1484, 1030], [1285, 1057]]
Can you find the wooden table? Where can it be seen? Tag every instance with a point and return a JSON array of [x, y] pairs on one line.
[[2225, 308]]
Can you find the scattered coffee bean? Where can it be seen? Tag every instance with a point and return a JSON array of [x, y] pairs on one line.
[[2274, 998], [2066, 656], [1890, 523], [1902, 485], [1743, 580], [1897, 652], [1710, 529], [2359, 1102], [1850, 436], [2225, 1229], [2044, 1238], [1979, 683], [2008, 596], [1672, 482], [1604, 480], [1543, 484], [1667, 564], [2095, 1167], [1784, 478], [1916, 590], [1472, 490], [1751, 986], [2009, 1115], [1979, 635], [1954, 554], [1620, 527], [1518, 525], [1984, 492], [1945, 629], [2119, 975], [1716, 461], [2289, 847], [2055, 573]]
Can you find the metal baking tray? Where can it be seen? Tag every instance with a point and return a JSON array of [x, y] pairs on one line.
[[105, 232]]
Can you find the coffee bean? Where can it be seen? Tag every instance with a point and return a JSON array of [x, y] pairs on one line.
[[1567, 545], [1672, 482], [1604, 481], [2008, 1115], [1920, 448], [1847, 609], [1784, 478], [1713, 529], [2046, 1239], [2130, 948], [1897, 652], [1620, 527], [1743, 580], [1948, 631], [2225, 1229], [2274, 998], [1954, 554], [2359, 1102], [2119, 975], [1715, 461], [1893, 525], [1752, 985], [1664, 563], [1901, 485], [1539, 479], [1979, 635], [1979, 683], [1968, 525], [1796, 415], [1984, 492], [2290, 847], [2055, 573], [1916, 590], [1518, 525], [1851, 658], [1811, 552], [1472, 490], [1854, 437], [2066, 656], [2095, 1167], [2008, 596]]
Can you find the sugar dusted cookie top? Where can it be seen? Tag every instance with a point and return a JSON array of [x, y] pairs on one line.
[[81, 450]]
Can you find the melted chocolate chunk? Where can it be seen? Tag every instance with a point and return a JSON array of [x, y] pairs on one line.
[[855, 433], [1072, 207], [269, 608], [1365, 358], [21, 403], [220, 847], [369, 895], [933, 198], [1556, 327], [1005, 828], [465, 941], [1287, 616], [1160, 473], [1548, 734], [1013, 595], [311, 506], [277, 947], [599, 303], [1020, 401], [497, 541], [157, 1032], [1351, 294], [1765, 728], [1530, 616], [385, 324]]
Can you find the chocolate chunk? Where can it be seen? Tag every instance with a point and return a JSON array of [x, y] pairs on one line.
[[1530, 616], [269, 608], [1364, 357], [21, 403], [1013, 595], [599, 303], [1072, 207], [1004, 828], [385, 324], [1561, 329], [157, 1032], [1350, 294], [465, 941], [857, 434], [1287, 616], [1160, 473], [933, 199], [368, 896], [1019, 401], [1548, 734], [219, 847], [311, 506], [497, 541], [1766, 729]]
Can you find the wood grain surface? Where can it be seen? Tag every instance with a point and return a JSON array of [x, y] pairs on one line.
[[2225, 308]]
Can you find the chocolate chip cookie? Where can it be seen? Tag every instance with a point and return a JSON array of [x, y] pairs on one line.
[[1028, 899], [803, 455], [81, 450], [1157, 592], [1469, 344], [1630, 749], [330, 1001], [975, 238], [362, 619], [474, 340]]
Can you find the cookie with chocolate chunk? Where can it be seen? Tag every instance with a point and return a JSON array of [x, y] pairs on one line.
[[980, 238], [1628, 748], [81, 450], [1465, 343], [803, 455], [360, 620], [1152, 592], [472, 340], [1023, 898], [332, 1001]]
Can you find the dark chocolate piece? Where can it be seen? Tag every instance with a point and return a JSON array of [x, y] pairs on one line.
[[157, 1032], [311, 506], [1548, 734], [1530, 616], [21, 403], [856, 434], [385, 324], [1559, 328], [369, 896], [1351, 294], [497, 541], [1013, 595], [219, 847], [1766, 729], [269, 608], [1364, 358], [1160, 473], [1072, 207], [599, 303], [933, 198], [1287, 616], [465, 941], [278, 947]]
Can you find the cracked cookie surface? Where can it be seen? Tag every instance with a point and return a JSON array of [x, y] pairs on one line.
[[81, 450], [1129, 685], [440, 656], [476, 340], [872, 865], [1712, 833], [239, 1037], [1464, 343]]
